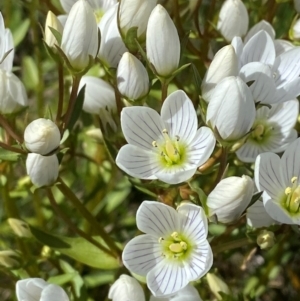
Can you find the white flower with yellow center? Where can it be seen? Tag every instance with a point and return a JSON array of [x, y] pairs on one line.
[[174, 250], [279, 178], [167, 147]]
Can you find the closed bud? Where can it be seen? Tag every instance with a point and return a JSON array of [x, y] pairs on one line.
[[265, 239], [230, 198], [231, 110], [80, 36], [135, 13], [233, 19], [126, 288], [12, 93], [10, 259], [217, 285], [224, 63], [52, 22], [19, 227], [42, 170], [42, 136], [132, 77], [162, 42]]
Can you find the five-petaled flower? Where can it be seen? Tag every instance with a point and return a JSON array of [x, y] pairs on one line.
[[174, 250], [167, 147]]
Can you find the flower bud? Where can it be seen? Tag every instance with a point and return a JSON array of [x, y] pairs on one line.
[[80, 35], [12, 93], [231, 110], [295, 31], [217, 285], [265, 239], [19, 227], [162, 42], [42, 136], [10, 259], [233, 19], [42, 170], [224, 63], [53, 22], [126, 288], [135, 13], [112, 46], [230, 198], [132, 77], [39, 289]]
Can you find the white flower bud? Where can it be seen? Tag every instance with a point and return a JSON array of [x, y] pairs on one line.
[[265, 239], [10, 259], [230, 198], [112, 46], [162, 42], [42, 170], [126, 288], [233, 19], [53, 22], [231, 110], [39, 289], [19, 227], [80, 35], [224, 63], [132, 77], [12, 93], [295, 30], [135, 13], [217, 285], [42, 136]]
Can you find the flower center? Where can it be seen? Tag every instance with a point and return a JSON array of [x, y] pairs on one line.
[[292, 199], [261, 131], [171, 151], [175, 247]]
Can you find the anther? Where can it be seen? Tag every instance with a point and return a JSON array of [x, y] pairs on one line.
[[154, 143]]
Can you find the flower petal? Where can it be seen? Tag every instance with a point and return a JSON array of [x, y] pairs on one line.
[[157, 219], [141, 126], [262, 25], [54, 292], [142, 254], [179, 114], [167, 278], [177, 173], [30, 288], [138, 162]]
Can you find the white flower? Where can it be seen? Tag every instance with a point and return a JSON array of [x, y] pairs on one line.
[[262, 25], [132, 77], [126, 288], [187, 293], [233, 19], [265, 239], [273, 130], [6, 44], [112, 46], [80, 35], [217, 285], [224, 63], [36, 289], [12, 93], [162, 42], [135, 13], [230, 198], [279, 178], [42, 170], [53, 22], [42, 136], [295, 30], [231, 110], [166, 147], [174, 250]]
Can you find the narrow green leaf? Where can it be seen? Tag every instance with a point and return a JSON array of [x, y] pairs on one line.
[[7, 155], [20, 33], [197, 78]]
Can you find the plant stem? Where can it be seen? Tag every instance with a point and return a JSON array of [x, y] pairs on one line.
[[67, 192], [231, 245], [60, 104], [223, 163], [9, 130], [211, 161], [12, 148], [164, 90], [73, 227]]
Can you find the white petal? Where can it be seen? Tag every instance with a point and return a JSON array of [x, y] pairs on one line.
[[249, 151], [54, 292], [167, 278], [138, 162], [260, 48], [141, 126], [179, 114], [142, 254], [157, 219], [287, 91], [194, 222], [282, 46], [262, 25], [177, 174], [30, 288]]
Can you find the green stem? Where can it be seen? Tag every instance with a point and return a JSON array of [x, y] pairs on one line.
[[223, 164], [9, 130], [12, 148], [60, 104], [78, 231], [231, 245], [164, 90], [67, 192]]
